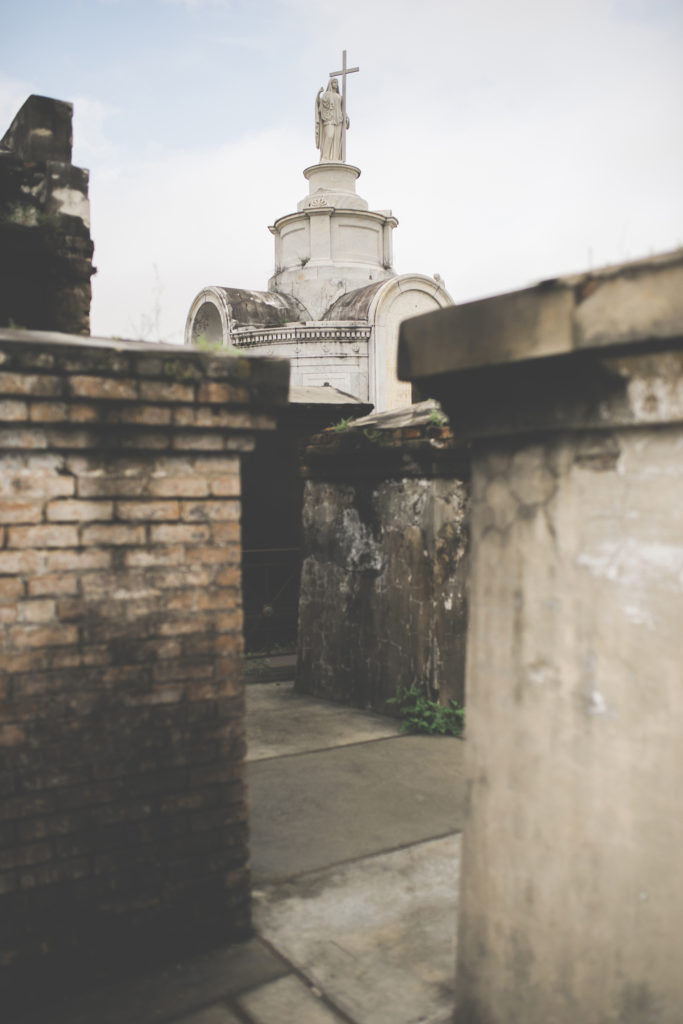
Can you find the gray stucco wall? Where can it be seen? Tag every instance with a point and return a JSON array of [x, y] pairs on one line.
[[571, 394]]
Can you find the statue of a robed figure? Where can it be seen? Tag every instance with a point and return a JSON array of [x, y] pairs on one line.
[[331, 120]]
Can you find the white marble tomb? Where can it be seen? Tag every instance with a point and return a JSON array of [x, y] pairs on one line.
[[334, 303]]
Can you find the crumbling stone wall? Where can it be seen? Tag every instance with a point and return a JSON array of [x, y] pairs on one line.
[[383, 600], [124, 825], [45, 245]]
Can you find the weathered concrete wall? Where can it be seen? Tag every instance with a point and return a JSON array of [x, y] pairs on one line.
[[45, 245], [571, 902], [383, 590], [124, 827]]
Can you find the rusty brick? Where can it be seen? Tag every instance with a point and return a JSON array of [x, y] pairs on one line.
[[49, 412], [182, 602], [65, 659], [189, 440], [215, 556], [187, 576], [58, 561], [27, 661], [219, 393], [12, 735], [207, 511], [20, 856], [23, 438], [116, 534], [42, 537], [167, 671], [230, 576], [36, 611], [150, 557], [231, 623], [21, 511], [226, 486], [180, 533], [60, 871], [73, 510], [65, 437], [82, 414], [146, 415], [163, 391], [43, 828], [173, 627], [11, 589], [184, 416], [209, 599], [8, 614], [227, 534], [86, 386], [52, 585], [21, 562], [145, 440], [152, 698], [179, 487], [12, 411], [109, 487], [39, 484], [148, 510], [149, 366], [30, 384], [227, 644], [215, 465], [42, 636]]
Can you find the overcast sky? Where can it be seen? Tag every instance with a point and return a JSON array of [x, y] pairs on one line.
[[514, 139]]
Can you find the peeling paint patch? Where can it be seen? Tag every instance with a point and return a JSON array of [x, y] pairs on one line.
[[639, 616], [597, 705], [73, 204], [631, 563]]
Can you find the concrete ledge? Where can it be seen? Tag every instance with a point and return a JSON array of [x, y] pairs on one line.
[[614, 306]]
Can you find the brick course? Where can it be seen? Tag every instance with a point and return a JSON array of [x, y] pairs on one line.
[[121, 706]]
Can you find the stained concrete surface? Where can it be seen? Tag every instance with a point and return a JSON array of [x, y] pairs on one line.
[[280, 722], [377, 936], [355, 885], [313, 810]]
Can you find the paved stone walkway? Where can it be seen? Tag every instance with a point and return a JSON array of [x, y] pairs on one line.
[[355, 858]]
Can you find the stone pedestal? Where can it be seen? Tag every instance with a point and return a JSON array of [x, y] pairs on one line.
[[333, 243], [572, 396]]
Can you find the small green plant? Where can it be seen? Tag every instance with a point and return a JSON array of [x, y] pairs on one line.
[[419, 714], [343, 425], [204, 345], [372, 435], [304, 260], [437, 419]]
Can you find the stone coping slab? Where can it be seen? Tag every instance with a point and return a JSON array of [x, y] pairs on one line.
[[613, 306]]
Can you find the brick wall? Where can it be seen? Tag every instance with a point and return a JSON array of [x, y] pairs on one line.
[[121, 705]]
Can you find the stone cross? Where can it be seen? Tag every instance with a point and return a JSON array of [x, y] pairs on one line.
[[343, 73]]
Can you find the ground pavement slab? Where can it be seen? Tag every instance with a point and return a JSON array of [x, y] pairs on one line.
[[311, 811], [282, 722], [377, 936]]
